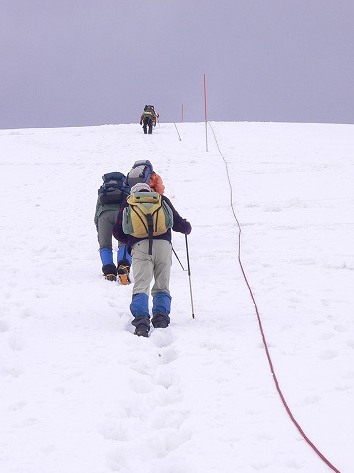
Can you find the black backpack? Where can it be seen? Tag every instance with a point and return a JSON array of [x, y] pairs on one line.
[[114, 188], [150, 109], [140, 172]]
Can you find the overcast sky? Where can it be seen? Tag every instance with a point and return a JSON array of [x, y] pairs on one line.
[[93, 62]]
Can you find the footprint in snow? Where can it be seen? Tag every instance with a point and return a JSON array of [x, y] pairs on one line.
[[163, 443], [340, 328], [4, 327], [11, 371], [162, 337], [328, 354], [111, 429], [16, 344], [17, 406], [326, 336], [165, 397], [142, 367], [167, 355], [166, 378], [135, 409], [27, 312], [163, 418], [141, 384]]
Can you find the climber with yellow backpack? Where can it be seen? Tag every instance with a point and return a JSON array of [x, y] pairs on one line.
[[146, 216], [144, 224]]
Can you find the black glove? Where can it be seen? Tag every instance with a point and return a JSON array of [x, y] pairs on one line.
[[187, 228]]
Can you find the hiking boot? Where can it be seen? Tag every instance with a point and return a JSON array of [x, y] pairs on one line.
[[110, 272], [142, 330], [110, 277], [142, 326], [160, 321], [123, 274]]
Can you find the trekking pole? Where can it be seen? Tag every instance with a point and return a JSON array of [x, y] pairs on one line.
[[178, 258], [189, 276], [179, 136]]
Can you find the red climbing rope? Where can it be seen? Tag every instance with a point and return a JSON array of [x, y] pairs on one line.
[[305, 437]]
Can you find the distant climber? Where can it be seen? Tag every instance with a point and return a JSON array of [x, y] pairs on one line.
[[148, 119]]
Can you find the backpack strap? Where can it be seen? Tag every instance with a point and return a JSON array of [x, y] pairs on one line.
[[150, 232]]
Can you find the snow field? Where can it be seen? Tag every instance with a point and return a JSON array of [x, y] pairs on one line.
[[80, 393]]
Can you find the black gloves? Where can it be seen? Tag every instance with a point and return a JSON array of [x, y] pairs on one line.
[[187, 227]]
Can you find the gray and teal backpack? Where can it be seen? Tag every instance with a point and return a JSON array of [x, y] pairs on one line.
[[140, 172]]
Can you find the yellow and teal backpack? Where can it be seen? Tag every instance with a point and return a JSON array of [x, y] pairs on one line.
[[147, 215]]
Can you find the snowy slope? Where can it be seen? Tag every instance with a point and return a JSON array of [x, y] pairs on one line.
[[81, 394]]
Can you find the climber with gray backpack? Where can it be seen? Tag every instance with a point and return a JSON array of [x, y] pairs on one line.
[[144, 224], [143, 172], [111, 194]]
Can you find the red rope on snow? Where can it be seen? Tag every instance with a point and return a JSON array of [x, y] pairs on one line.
[[288, 410]]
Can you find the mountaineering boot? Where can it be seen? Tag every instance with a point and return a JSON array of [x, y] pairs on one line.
[[142, 331], [142, 326], [110, 272], [110, 277], [160, 321], [123, 274]]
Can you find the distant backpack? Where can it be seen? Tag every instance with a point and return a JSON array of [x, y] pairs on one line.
[[140, 172], [149, 112], [114, 188], [149, 109], [147, 215]]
